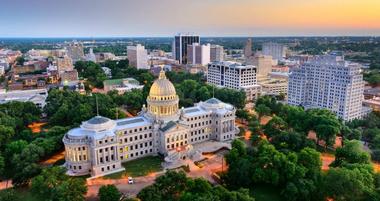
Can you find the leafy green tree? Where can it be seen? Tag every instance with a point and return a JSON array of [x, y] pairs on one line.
[[275, 126], [203, 93], [72, 189], [324, 123], [92, 71], [109, 193], [374, 79], [24, 165], [352, 152], [8, 195], [286, 141], [262, 110], [2, 165], [343, 184], [20, 60], [44, 185], [186, 189], [6, 133], [370, 134]]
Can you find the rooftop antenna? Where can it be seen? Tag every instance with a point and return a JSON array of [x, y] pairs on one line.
[[97, 106]]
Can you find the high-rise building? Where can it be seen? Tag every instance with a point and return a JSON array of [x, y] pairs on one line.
[[234, 76], [91, 56], [328, 82], [216, 53], [248, 48], [198, 54], [180, 46], [277, 51], [75, 51], [263, 64], [63, 64], [138, 56]]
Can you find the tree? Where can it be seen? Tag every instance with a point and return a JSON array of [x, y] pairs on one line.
[[275, 127], [45, 185], [72, 189], [8, 195], [20, 60], [327, 133], [352, 152], [286, 141], [262, 110], [24, 165], [6, 133], [187, 189], [109, 193], [343, 184], [2, 165], [92, 71]]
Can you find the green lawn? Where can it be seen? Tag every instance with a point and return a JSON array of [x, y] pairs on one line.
[[139, 167], [266, 193]]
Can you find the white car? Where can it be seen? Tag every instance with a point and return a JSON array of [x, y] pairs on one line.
[[130, 180]]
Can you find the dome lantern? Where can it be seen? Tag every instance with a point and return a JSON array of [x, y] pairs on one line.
[[163, 99]]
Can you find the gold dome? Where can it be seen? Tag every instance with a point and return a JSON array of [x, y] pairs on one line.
[[163, 100], [162, 87]]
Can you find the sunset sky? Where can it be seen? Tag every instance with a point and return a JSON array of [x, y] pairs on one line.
[[103, 18]]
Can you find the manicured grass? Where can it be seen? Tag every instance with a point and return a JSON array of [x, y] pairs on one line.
[[143, 166], [139, 167], [266, 193]]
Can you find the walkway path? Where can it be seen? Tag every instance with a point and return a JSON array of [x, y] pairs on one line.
[[211, 165], [53, 159]]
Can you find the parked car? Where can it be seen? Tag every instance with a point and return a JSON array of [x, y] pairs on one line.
[[130, 180]]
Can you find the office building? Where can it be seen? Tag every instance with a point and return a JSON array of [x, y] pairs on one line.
[[272, 86], [236, 76], [75, 51], [328, 82], [91, 56], [63, 64], [69, 78], [180, 43], [277, 51], [263, 64], [198, 54], [138, 56], [248, 48], [100, 145], [216, 53]]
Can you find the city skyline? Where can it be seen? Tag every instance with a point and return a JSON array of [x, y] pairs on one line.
[[120, 18]]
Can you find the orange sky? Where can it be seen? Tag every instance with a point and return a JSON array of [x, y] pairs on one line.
[[205, 17]]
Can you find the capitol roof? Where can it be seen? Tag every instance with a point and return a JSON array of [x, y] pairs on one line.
[[162, 86]]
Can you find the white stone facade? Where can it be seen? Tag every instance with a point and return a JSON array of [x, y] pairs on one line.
[[234, 76], [216, 53], [328, 82], [198, 54], [138, 56], [277, 51], [100, 145]]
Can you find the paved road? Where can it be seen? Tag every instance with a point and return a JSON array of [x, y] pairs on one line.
[[122, 184], [212, 165]]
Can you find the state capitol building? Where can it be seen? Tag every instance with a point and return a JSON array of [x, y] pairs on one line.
[[100, 145]]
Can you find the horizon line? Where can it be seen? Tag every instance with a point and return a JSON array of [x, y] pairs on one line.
[[237, 36]]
